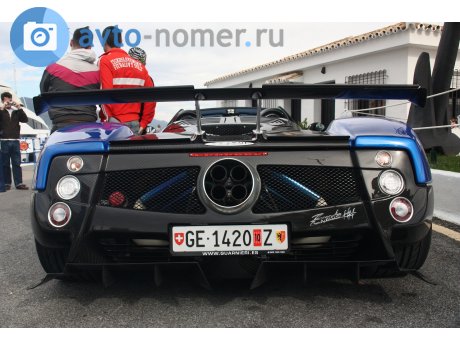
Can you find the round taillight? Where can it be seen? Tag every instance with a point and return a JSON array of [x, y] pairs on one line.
[[68, 187], [383, 159], [116, 199], [59, 214], [391, 182], [401, 209], [74, 164]]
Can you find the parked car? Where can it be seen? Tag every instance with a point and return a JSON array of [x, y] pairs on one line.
[[240, 187]]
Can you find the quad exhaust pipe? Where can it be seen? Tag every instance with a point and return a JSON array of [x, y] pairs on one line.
[[228, 183], [238, 173], [219, 173]]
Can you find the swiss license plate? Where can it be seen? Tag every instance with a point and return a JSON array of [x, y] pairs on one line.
[[229, 240]]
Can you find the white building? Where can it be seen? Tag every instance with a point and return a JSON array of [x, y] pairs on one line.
[[384, 56]]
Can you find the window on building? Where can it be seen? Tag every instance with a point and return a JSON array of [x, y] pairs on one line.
[[377, 77], [454, 97]]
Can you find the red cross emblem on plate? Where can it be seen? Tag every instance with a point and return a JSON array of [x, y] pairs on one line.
[[179, 238]]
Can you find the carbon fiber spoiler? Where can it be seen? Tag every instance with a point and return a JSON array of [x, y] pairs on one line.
[[412, 93]]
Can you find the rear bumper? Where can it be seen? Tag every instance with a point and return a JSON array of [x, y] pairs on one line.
[[360, 231], [103, 236]]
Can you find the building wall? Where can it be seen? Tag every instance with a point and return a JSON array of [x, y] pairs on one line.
[[336, 55], [395, 64], [397, 54]]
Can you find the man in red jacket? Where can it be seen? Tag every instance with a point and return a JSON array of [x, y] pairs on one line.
[[119, 70]]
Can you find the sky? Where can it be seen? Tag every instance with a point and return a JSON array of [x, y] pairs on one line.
[[191, 65]]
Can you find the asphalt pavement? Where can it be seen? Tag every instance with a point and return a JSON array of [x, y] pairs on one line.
[[327, 300]]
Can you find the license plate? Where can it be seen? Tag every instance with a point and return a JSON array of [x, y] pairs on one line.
[[229, 240]]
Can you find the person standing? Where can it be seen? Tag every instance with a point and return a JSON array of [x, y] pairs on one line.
[[75, 71], [10, 116], [454, 128], [2, 179], [140, 55], [119, 70]]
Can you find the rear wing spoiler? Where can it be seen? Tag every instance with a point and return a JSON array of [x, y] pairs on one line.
[[412, 93]]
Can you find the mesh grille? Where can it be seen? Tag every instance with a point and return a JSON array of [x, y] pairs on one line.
[[290, 188], [245, 137], [230, 129], [165, 190]]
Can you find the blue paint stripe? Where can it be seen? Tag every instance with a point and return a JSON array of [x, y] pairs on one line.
[[417, 155], [68, 148], [298, 185], [160, 188]]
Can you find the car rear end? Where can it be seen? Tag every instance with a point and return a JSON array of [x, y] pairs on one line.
[[317, 200]]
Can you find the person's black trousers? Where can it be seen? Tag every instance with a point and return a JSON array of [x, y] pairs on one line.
[[11, 154]]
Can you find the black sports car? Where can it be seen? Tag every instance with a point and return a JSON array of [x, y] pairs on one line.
[[244, 188]]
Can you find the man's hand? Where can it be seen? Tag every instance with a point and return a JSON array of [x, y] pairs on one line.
[[142, 131]]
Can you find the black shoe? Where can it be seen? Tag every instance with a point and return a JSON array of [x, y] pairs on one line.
[[7, 187], [22, 187]]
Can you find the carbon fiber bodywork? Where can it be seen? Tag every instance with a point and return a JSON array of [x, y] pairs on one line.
[[232, 166], [353, 224]]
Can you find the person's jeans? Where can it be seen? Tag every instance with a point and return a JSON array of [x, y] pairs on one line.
[[133, 125], [2, 180], [11, 153]]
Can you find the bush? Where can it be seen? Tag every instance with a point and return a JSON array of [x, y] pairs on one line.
[[442, 162]]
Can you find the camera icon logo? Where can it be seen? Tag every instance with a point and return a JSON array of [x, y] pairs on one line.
[[40, 36]]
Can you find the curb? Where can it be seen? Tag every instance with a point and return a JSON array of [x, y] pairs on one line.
[[446, 216], [446, 173]]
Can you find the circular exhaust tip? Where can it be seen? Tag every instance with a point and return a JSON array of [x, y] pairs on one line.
[[228, 184], [218, 173], [218, 192], [239, 192], [238, 173]]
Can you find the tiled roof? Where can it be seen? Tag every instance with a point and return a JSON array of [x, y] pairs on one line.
[[284, 78], [348, 41]]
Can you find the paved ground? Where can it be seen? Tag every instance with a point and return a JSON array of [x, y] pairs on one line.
[[327, 301]]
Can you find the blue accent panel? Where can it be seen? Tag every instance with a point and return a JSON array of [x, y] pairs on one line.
[[298, 185], [369, 126], [91, 132], [69, 148], [83, 138], [411, 145]]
